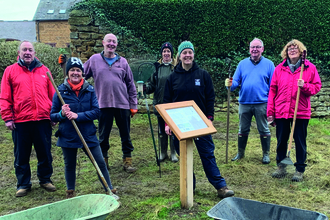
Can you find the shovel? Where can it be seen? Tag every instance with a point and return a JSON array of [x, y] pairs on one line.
[[287, 160], [228, 111], [84, 142]]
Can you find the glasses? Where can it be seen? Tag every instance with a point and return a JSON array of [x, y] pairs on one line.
[[293, 48], [255, 47]]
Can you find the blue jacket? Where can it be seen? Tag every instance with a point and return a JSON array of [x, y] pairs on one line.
[[87, 108]]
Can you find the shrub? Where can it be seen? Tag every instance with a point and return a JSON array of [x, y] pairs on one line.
[[45, 53]]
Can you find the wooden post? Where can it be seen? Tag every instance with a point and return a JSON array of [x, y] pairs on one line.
[[186, 173]]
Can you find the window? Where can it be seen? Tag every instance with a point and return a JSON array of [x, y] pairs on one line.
[[62, 11], [50, 12]]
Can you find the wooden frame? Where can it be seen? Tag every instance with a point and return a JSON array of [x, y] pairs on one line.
[[192, 133]]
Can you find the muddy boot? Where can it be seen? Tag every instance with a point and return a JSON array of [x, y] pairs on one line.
[[225, 192], [163, 143], [297, 177], [280, 172], [242, 140], [70, 194], [174, 159], [265, 144], [128, 167], [107, 163]]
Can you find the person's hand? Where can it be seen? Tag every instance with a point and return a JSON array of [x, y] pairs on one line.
[[229, 82], [301, 83], [10, 125], [53, 124], [168, 130], [271, 121], [62, 59], [133, 112], [71, 115], [65, 109]]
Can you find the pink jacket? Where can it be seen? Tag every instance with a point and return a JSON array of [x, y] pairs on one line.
[[283, 91]]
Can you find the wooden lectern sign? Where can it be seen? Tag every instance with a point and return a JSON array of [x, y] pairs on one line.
[[186, 121]]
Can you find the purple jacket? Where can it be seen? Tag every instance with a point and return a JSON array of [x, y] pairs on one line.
[[114, 85]]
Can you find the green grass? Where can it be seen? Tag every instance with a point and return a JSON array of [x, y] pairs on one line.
[[144, 195]]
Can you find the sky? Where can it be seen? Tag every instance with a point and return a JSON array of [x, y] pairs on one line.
[[18, 10]]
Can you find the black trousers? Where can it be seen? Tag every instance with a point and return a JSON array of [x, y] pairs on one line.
[[123, 122], [283, 130], [39, 134]]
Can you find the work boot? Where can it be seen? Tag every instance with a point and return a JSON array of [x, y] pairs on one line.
[[225, 192], [49, 187], [297, 177], [22, 192], [265, 144], [114, 191], [107, 162], [163, 143], [242, 140], [174, 159], [128, 165], [280, 171], [70, 194]]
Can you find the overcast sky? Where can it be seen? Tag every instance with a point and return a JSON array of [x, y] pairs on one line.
[[17, 10]]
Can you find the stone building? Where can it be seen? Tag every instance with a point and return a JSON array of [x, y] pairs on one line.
[[51, 22]]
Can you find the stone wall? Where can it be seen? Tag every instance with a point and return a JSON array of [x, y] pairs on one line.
[[54, 32], [86, 39]]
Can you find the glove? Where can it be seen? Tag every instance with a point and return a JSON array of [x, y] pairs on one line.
[[168, 130], [271, 121], [62, 59], [301, 83], [229, 82], [10, 125], [133, 112]]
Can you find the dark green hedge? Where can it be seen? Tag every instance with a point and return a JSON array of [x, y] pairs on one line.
[[219, 26]]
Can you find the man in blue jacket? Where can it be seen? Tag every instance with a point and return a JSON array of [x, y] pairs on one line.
[[254, 75]]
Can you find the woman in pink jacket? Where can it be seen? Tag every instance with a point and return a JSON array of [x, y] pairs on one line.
[[281, 105]]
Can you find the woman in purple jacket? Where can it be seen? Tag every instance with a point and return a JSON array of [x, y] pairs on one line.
[[281, 105]]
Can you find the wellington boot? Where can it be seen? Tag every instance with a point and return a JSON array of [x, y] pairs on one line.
[[242, 141], [174, 159], [280, 172], [265, 144], [70, 194], [127, 164], [107, 162], [163, 145]]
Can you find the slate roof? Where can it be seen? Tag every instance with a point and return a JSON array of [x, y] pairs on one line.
[[20, 30], [42, 12]]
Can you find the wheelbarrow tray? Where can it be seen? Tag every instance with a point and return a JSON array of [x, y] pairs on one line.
[[92, 206], [234, 208]]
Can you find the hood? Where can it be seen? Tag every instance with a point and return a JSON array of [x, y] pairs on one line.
[[179, 69], [35, 63]]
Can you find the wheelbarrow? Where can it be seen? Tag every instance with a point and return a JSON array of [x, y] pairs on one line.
[[92, 206], [234, 208]]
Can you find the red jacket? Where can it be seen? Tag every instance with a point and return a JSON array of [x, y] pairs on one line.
[[26, 95], [283, 91]]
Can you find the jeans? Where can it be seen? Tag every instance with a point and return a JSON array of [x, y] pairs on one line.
[[39, 134], [259, 111], [283, 130], [70, 161], [205, 147], [123, 122]]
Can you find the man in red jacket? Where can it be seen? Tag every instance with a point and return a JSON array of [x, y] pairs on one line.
[[25, 102]]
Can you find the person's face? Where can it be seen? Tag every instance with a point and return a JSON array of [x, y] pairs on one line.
[[75, 75], [166, 54], [187, 56], [110, 43], [293, 52], [256, 49], [26, 52]]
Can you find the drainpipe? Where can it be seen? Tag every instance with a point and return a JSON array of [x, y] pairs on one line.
[[38, 32]]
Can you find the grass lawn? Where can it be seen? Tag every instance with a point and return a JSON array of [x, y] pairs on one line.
[[144, 195]]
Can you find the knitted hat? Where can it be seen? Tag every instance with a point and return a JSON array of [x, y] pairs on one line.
[[167, 45], [74, 62], [185, 45]]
